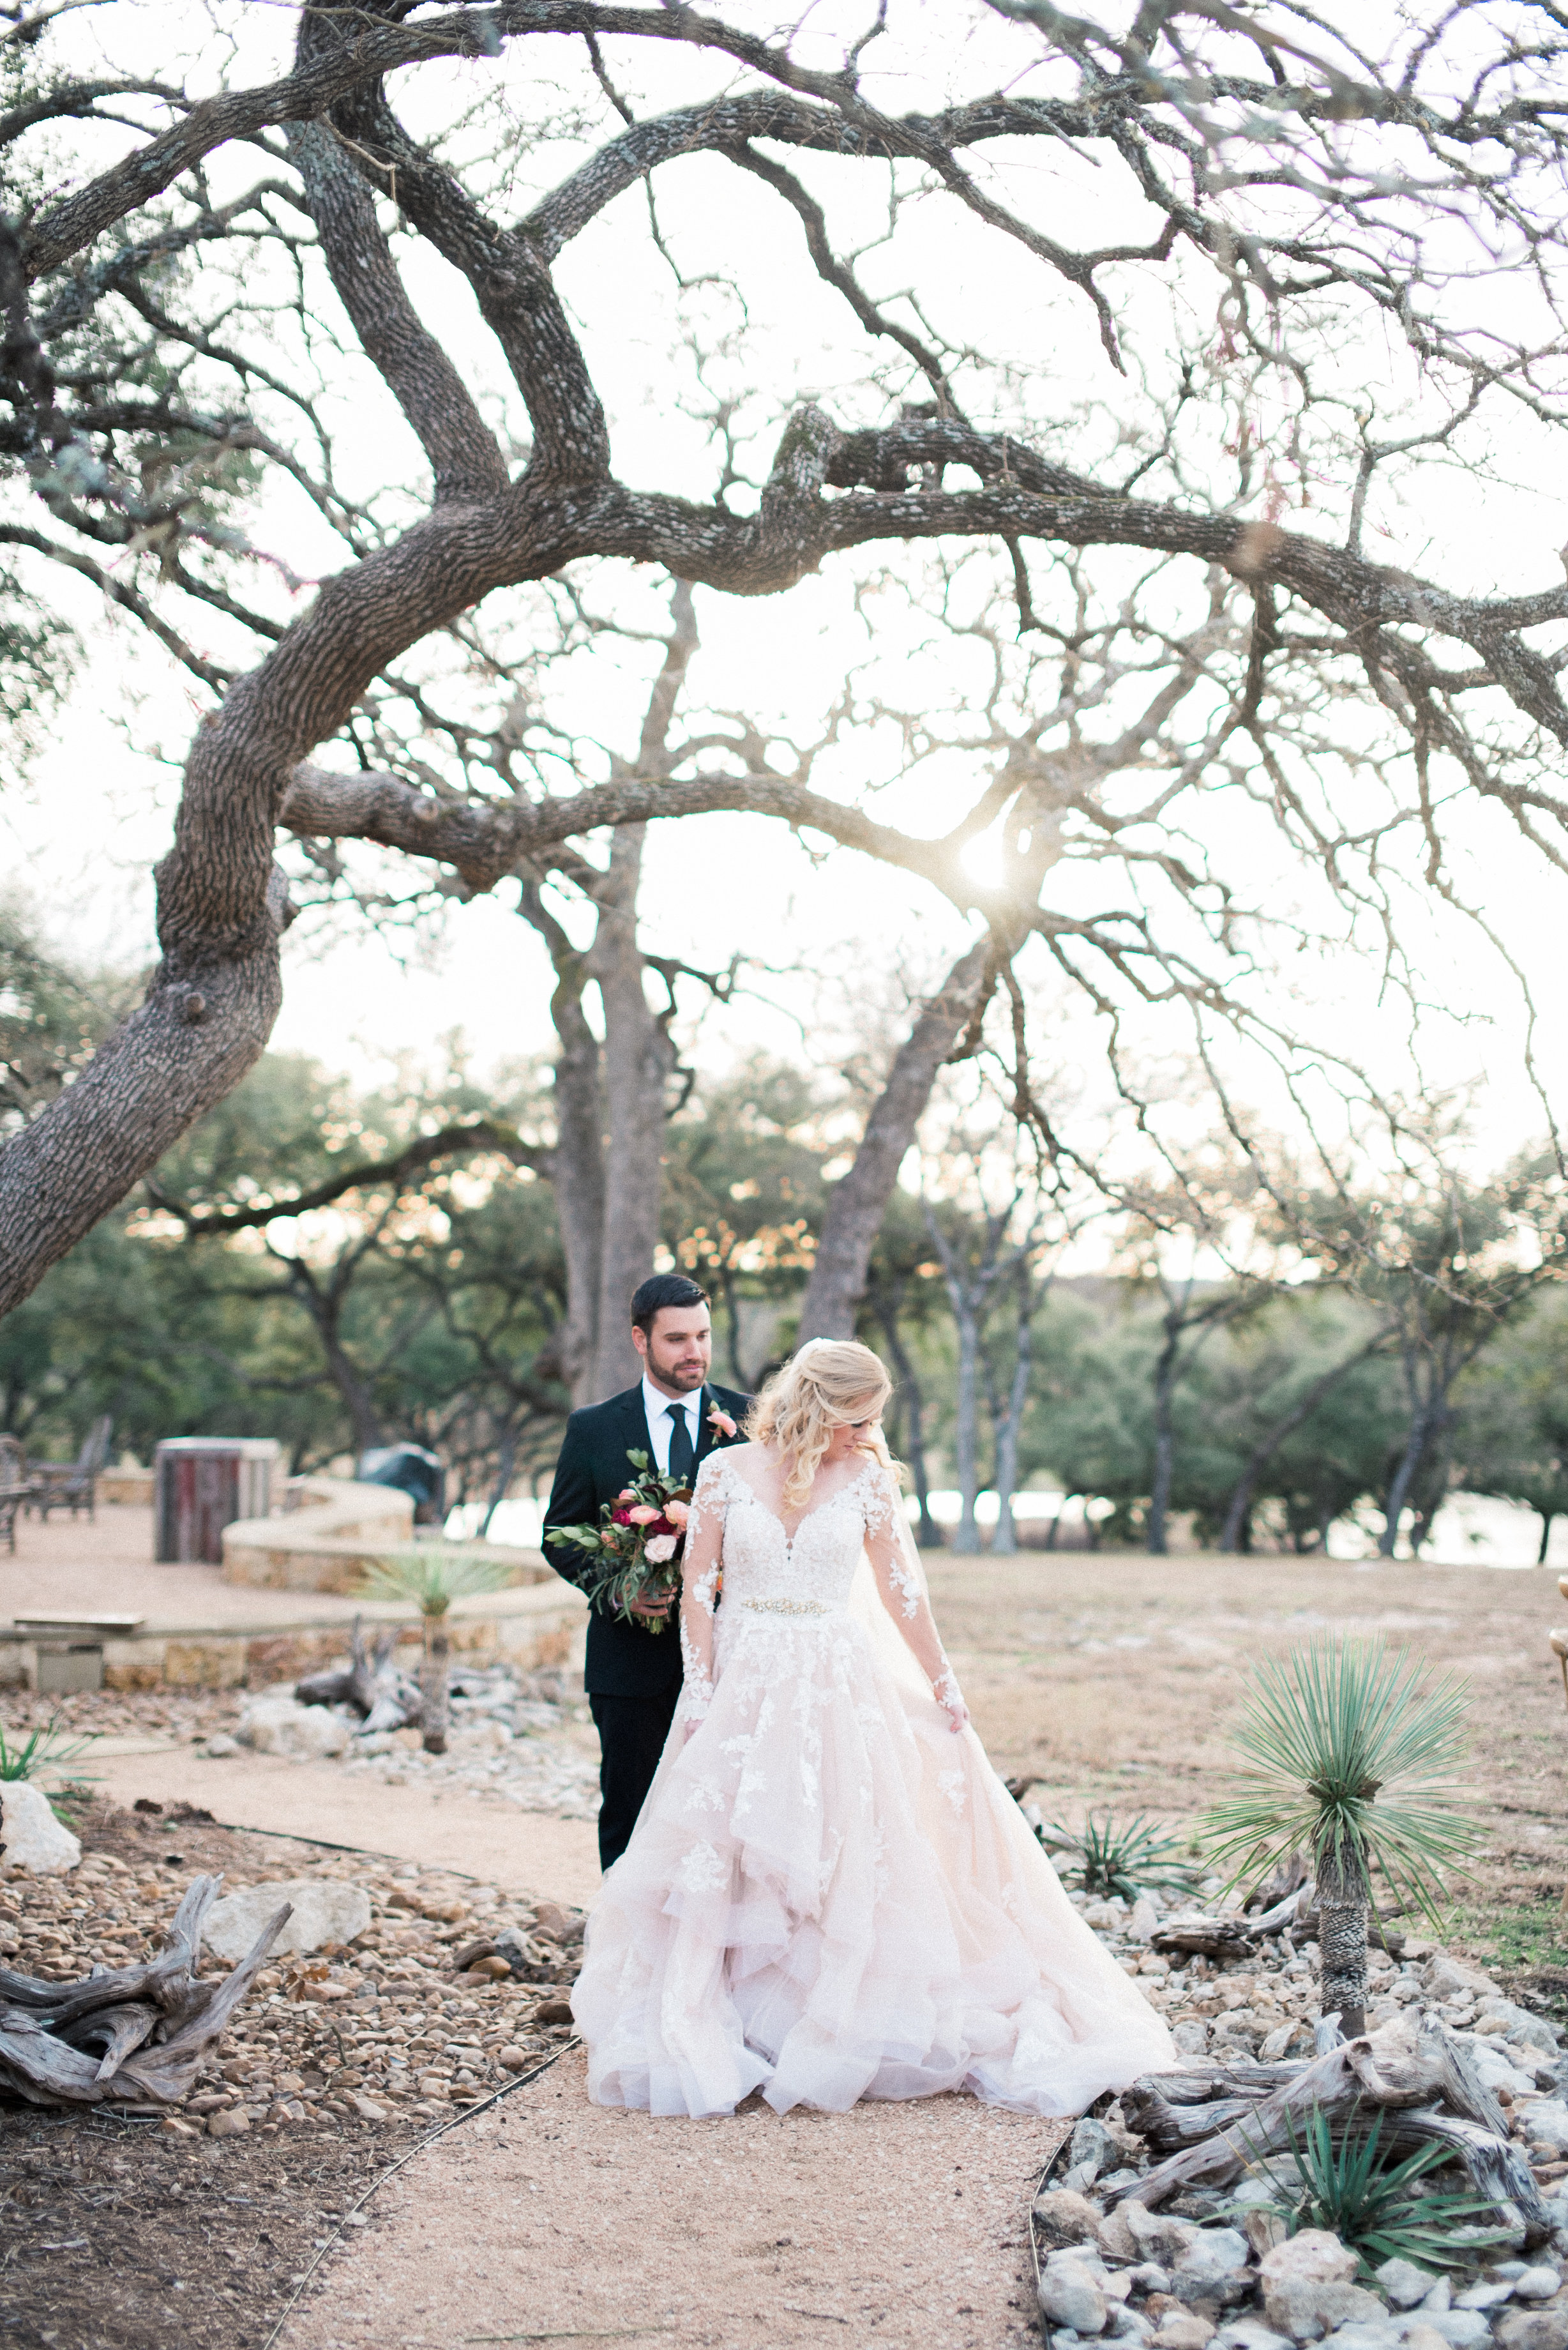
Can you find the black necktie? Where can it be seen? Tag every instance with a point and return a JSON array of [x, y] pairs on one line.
[[682, 1451]]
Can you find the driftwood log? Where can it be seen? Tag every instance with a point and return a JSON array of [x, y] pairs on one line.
[[1212, 2123], [125, 2035], [1232, 1936], [372, 1685]]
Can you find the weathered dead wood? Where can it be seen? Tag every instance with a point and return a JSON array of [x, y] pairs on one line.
[[1411, 2082], [373, 1685], [132, 2034]]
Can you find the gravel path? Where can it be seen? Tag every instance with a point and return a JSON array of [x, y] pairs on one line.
[[549, 2217]]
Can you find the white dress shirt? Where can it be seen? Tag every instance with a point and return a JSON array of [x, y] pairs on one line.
[[656, 1406]]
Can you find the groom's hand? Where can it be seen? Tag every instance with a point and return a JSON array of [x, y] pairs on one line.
[[653, 1608]]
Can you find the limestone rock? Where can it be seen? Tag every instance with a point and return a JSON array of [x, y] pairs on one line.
[[231, 2124], [1213, 2267], [1307, 2288], [1158, 2235], [1063, 2217], [1089, 2148], [1547, 2119], [1420, 2335], [1484, 2296], [1070, 2296], [1462, 2329], [1444, 1978], [325, 1911], [1405, 2284], [277, 1725], [1534, 2329], [1537, 2283], [219, 1747], [1192, 2037], [32, 1837], [1248, 2334], [1183, 2331], [1385, 2334], [1145, 1917]]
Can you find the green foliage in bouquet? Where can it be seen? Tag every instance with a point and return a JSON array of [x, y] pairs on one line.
[[635, 1549]]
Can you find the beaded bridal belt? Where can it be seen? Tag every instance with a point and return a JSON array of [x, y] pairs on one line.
[[790, 1606]]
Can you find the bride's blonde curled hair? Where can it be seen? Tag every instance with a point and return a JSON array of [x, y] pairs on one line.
[[830, 1383]]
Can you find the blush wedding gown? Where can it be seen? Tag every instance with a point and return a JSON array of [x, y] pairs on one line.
[[828, 1895]]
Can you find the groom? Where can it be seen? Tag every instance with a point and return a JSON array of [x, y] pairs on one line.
[[633, 1677]]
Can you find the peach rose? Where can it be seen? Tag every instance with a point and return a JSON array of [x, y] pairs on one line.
[[720, 1420], [677, 1512], [642, 1515]]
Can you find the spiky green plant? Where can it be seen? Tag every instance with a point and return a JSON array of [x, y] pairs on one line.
[[1106, 1856], [45, 1750], [1351, 1755], [432, 1575], [1347, 2185]]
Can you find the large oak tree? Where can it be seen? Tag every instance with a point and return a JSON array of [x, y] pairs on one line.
[[1304, 195]]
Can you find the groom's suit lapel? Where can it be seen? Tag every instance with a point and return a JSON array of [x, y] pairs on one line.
[[634, 1424], [707, 1434]]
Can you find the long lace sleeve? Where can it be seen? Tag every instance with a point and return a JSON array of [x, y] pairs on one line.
[[895, 1566], [700, 1562]]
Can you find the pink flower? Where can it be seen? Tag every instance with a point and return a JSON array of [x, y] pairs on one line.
[[626, 1494], [642, 1515], [722, 1422], [658, 1548], [677, 1512]]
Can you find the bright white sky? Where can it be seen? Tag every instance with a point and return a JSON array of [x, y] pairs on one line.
[[83, 837]]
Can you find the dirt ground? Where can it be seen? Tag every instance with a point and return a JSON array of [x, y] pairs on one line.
[[1109, 1678], [1112, 1679]]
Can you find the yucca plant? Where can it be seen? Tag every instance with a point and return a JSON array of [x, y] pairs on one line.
[[432, 1575], [1346, 2185], [1106, 1856], [1352, 1755], [44, 1750]]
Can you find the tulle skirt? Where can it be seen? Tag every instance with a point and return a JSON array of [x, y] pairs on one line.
[[828, 1896]]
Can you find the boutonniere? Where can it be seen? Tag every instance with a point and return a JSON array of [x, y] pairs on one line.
[[721, 1422]]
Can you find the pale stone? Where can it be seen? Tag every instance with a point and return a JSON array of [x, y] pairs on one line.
[[1462, 2329], [30, 1836], [1149, 2277], [1534, 2329], [1158, 2235], [1387, 2333], [1445, 1978], [1537, 2283], [369, 2110], [1183, 2331], [1440, 2296], [1405, 2284], [1087, 2149], [1145, 1917], [277, 1725], [219, 1747], [1116, 2240], [1248, 2334], [1546, 2120], [1307, 2291], [1190, 2036], [1070, 2296], [233, 2124], [1064, 2217], [325, 1911], [1213, 2267], [1488, 2297], [1420, 2335]]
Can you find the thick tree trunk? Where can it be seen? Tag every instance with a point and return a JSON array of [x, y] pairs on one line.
[[1156, 1536], [1402, 1479], [859, 1203], [577, 1173], [930, 1533], [1005, 1539], [1343, 1899], [637, 1060], [1241, 1503]]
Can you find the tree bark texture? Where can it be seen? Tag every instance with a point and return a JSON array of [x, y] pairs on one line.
[[1005, 1538], [435, 1686], [1157, 1537], [837, 1284], [1343, 1901]]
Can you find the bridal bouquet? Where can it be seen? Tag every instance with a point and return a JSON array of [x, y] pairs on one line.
[[635, 1546]]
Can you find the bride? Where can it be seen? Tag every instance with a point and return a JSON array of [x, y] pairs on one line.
[[829, 1895]]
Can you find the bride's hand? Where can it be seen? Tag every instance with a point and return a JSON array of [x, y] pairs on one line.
[[950, 1697]]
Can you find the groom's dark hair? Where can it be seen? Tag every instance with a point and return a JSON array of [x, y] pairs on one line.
[[660, 1290]]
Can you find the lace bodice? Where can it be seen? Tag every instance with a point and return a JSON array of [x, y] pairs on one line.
[[817, 1561], [774, 1578]]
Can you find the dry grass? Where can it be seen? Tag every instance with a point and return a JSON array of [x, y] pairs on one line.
[[1111, 1679]]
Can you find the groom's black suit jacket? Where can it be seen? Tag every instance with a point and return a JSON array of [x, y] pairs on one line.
[[623, 1659]]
